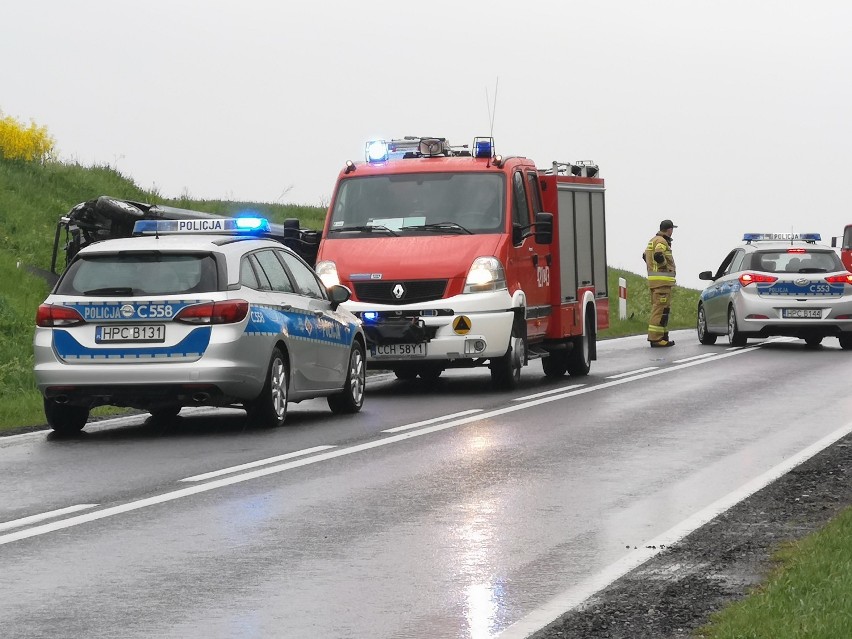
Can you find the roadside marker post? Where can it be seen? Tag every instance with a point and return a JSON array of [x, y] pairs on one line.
[[622, 298]]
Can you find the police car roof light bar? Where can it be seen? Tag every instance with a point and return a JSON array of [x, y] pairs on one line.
[[781, 237], [228, 226]]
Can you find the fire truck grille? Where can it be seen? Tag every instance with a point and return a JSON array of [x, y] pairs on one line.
[[400, 292]]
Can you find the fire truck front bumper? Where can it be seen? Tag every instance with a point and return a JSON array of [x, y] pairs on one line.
[[408, 335]]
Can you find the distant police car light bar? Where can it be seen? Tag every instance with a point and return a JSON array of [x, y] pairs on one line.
[[757, 237], [231, 225]]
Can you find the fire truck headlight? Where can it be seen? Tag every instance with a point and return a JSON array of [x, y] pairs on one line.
[[485, 274], [327, 271]]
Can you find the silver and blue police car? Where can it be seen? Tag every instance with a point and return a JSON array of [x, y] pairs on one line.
[[777, 284], [193, 313]]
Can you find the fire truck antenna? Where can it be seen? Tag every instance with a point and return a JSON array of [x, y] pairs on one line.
[[492, 111]]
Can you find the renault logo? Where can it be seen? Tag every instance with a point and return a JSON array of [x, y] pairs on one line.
[[398, 291]]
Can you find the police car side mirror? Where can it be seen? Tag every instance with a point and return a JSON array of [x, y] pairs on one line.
[[543, 228], [338, 294], [705, 275]]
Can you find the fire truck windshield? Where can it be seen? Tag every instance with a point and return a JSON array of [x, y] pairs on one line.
[[412, 203]]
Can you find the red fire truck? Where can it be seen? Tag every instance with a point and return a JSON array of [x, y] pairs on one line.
[[460, 257], [845, 247]]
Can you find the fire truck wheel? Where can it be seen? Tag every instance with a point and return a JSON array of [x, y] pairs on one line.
[[405, 372], [555, 364], [704, 336], [580, 357], [430, 373], [506, 370]]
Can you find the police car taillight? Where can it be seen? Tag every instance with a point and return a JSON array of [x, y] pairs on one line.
[[227, 312], [50, 315], [756, 278], [839, 279]]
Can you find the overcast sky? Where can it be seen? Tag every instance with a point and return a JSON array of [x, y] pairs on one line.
[[727, 117]]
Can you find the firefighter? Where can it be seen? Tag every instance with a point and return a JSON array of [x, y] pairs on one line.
[[661, 279]]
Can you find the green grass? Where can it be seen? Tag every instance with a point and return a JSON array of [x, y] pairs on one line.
[[807, 595], [683, 313]]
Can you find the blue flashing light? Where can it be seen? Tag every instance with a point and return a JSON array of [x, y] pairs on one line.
[[369, 316], [376, 151], [251, 223], [220, 225], [483, 147], [781, 237]]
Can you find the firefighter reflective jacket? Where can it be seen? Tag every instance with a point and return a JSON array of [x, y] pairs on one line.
[[660, 273]]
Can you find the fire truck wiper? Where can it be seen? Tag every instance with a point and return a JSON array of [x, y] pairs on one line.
[[441, 227], [365, 229]]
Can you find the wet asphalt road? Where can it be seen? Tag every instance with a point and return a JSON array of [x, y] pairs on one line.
[[442, 511]]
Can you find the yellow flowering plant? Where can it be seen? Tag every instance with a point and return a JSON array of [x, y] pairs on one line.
[[18, 141]]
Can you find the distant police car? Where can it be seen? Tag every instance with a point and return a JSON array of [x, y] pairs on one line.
[[777, 284], [190, 313]]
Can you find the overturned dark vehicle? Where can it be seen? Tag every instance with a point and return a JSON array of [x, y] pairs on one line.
[[106, 217]]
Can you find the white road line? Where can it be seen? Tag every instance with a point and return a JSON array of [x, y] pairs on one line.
[[26, 521], [270, 470], [255, 464], [546, 393], [426, 422], [573, 597], [641, 370], [689, 359]]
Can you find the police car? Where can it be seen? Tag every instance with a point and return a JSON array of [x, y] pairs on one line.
[[777, 284], [192, 313]]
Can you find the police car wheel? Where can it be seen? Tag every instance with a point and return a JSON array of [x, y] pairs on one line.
[[65, 419], [269, 410], [704, 336], [735, 337], [351, 398], [845, 342]]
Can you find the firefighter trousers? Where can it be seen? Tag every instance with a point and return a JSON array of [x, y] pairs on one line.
[[661, 301]]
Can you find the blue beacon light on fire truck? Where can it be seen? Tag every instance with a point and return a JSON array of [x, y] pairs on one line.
[[233, 225]]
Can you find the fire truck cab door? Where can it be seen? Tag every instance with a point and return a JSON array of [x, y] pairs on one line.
[[529, 262]]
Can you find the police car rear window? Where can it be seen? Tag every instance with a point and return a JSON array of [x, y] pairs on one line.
[[140, 274], [805, 261]]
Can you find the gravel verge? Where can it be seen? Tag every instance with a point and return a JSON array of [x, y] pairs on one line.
[[675, 592]]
